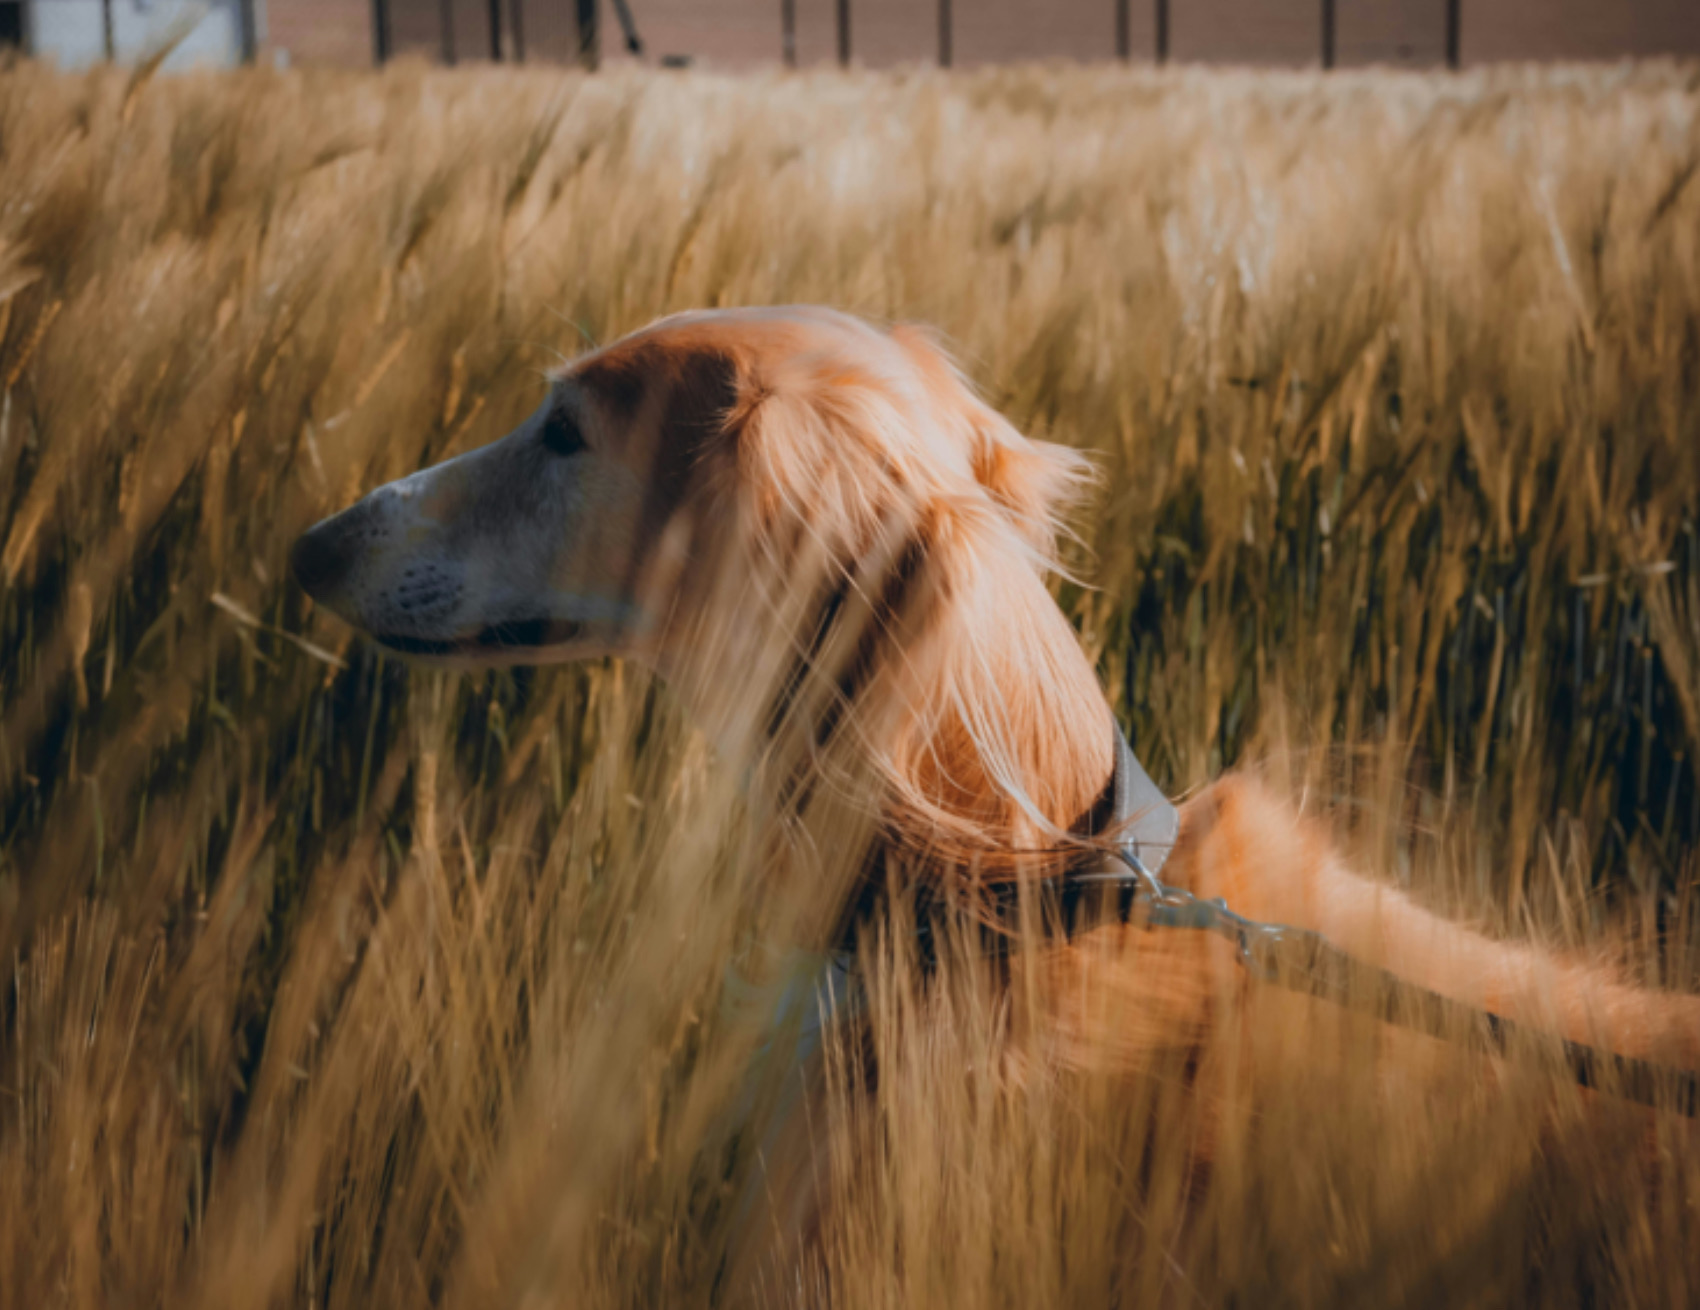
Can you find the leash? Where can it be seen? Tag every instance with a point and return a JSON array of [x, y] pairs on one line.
[[1307, 962]]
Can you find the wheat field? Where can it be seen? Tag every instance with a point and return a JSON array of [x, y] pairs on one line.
[[338, 983]]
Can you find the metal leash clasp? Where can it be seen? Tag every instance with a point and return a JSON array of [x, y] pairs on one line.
[[1259, 944]]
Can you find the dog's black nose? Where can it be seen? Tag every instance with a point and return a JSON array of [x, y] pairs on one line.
[[320, 557]]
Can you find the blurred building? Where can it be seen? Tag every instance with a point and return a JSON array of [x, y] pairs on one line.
[[79, 32], [874, 33]]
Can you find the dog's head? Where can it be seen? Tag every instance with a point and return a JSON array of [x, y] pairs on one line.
[[705, 441]]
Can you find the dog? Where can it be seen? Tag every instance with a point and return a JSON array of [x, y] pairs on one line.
[[824, 510]]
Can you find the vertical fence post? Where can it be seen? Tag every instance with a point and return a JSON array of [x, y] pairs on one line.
[[1454, 22], [588, 48], [628, 29], [788, 32], [108, 46], [446, 20], [1124, 32], [1162, 31], [248, 30], [1328, 33], [496, 30], [843, 33], [517, 21], [945, 52], [380, 30]]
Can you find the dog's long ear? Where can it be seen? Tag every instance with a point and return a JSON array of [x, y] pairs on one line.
[[1036, 483]]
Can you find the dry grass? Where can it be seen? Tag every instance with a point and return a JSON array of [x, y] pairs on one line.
[[337, 984]]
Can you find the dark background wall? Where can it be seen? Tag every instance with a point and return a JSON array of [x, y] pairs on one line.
[[883, 33], [1578, 29], [998, 31], [1245, 31], [1411, 33]]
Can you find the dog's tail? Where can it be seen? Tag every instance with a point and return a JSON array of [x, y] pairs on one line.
[[1241, 843]]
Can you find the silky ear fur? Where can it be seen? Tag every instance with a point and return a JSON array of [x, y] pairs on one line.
[[1036, 483]]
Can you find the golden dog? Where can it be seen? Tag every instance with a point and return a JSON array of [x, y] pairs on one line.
[[795, 500]]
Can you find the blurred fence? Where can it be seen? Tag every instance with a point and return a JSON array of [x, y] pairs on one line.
[[872, 33], [1329, 33]]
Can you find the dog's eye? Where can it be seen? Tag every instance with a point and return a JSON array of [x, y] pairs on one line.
[[561, 435]]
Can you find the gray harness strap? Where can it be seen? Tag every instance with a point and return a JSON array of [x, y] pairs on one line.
[[1152, 821]]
